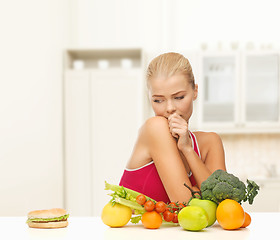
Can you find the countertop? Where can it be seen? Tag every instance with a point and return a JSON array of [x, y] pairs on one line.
[[262, 226]]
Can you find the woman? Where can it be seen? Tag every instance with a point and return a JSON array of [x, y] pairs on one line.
[[167, 154]]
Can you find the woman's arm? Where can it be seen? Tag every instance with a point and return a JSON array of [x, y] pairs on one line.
[[212, 147], [163, 150], [214, 159]]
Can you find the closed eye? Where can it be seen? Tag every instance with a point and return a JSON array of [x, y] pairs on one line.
[[157, 101], [179, 98]]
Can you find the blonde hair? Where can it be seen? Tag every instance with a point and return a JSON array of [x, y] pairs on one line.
[[169, 64]]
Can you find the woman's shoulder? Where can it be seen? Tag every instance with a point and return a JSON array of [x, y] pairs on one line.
[[208, 140], [155, 121], [207, 136], [155, 129], [154, 124]]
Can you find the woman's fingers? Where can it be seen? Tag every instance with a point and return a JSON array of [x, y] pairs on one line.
[[175, 118], [174, 134], [177, 131], [180, 125], [177, 125]]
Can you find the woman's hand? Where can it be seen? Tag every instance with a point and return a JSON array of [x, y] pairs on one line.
[[179, 129]]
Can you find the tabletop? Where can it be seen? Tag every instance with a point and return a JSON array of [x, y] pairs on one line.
[[262, 225]]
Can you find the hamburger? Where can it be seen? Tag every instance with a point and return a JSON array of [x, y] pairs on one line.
[[52, 218]]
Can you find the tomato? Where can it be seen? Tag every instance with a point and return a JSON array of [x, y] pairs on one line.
[[141, 199], [149, 206], [172, 206], [181, 205], [168, 216], [160, 207], [175, 218], [175, 207]]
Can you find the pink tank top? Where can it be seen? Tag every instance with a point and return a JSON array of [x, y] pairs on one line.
[[147, 181]]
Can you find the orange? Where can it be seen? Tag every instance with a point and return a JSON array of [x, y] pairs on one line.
[[230, 214], [247, 221], [151, 220]]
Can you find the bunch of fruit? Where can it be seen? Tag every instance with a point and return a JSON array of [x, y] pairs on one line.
[[203, 213], [194, 216], [230, 215], [156, 211]]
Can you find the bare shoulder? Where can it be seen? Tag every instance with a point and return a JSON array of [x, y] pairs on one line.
[[156, 121], [209, 142], [207, 137], [154, 125], [153, 132]]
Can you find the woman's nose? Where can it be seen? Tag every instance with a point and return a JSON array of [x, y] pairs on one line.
[[170, 107]]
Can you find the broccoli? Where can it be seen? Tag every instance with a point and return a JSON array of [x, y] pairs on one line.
[[222, 185]]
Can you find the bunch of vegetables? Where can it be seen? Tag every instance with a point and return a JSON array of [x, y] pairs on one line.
[[146, 209], [220, 186]]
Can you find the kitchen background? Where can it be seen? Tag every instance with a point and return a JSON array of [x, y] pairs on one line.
[[72, 82]]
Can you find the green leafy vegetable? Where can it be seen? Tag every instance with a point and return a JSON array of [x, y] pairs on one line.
[[128, 203], [252, 191], [127, 197], [222, 185], [136, 219], [124, 192], [64, 217]]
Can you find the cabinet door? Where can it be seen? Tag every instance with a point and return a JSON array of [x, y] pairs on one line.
[[219, 89], [103, 113], [78, 197], [262, 88], [116, 115]]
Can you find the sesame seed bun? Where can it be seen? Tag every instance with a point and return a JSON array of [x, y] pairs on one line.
[[50, 213]]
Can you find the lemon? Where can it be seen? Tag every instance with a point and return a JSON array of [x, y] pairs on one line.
[[116, 216], [193, 218]]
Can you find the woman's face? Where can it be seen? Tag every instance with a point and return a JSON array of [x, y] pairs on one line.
[[172, 95]]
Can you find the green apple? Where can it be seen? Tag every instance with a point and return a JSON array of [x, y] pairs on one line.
[[209, 206], [193, 218]]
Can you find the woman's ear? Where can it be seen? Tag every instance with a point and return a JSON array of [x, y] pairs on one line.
[[195, 92]]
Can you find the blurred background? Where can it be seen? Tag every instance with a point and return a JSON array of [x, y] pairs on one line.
[[72, 92]]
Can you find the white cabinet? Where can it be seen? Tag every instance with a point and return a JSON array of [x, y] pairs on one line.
[[239, 92], [219, 86], [103, 113], [261, 88]]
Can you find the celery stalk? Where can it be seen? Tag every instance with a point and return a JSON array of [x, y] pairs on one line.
[[123, 191], [129, 203]]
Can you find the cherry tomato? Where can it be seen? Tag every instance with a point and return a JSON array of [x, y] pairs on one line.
[[149, 206], [168, 216], [160, 207], [181, 205], [173, 207], [141, 199], [175, 218]]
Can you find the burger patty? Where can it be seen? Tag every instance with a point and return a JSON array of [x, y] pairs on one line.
[[62, 220]]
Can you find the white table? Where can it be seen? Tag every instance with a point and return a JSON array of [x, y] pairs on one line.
[[262, 226]]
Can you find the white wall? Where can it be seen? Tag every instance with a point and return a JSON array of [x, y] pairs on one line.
[[33, 34], [176, 24]]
